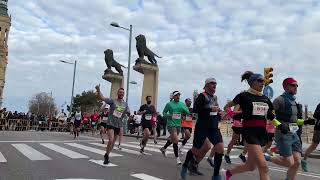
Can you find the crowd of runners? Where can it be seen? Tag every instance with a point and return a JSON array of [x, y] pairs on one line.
[[255, 118]]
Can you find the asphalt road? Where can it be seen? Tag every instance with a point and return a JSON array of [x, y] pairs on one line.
[[47, 155]]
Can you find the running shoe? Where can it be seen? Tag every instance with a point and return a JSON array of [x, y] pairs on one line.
[[227, 159], [243, 158], [142, 151], [183, 173], [163, 151], [178, 161], [106, 159], [119, 147], [155, 142], [102, 141], [193, 168], [218, 177], [211, 163], [304, 165]]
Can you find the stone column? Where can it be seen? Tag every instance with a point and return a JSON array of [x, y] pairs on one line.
[[150, 81], [116, 81]]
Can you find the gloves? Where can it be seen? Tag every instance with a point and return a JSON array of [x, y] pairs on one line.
[[300, 122]]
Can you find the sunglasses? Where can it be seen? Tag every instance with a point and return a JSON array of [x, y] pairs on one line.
[[293, 85], [260, 80]]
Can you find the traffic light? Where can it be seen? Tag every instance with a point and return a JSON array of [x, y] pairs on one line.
[[268, 75]]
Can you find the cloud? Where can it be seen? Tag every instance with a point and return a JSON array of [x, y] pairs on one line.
[[197, 39]]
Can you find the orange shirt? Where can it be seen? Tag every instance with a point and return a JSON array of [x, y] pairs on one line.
[[187, 122]]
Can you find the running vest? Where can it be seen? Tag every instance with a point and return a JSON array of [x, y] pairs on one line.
[[286, 113]]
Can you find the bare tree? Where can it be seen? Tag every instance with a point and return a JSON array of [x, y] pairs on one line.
[[43, 104]]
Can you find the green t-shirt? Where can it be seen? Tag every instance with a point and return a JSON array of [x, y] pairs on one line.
[[173, 111]]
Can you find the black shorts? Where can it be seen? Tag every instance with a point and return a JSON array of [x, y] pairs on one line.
[[136, 125], [270, 137], [116, 130], [237, 130], [103, 124], [93, 124], [185, 128], [255, 135], [147, 127], [77, 124], [200, 135]]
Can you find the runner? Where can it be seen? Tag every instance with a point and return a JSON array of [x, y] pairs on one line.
[[94, 121], [315, 139], [137, 123], [154, 123], [187, 125], [148, 111], [237, 130], [77, 122], [206, 132], [256, 109], [103, 124], [287, 122], [173, 111], [118, 109]]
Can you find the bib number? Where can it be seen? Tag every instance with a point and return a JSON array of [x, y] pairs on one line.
[[259, 108], [148, 117], [213, 113], [176, 116], [188, 118], [118, 111], [293, 128]]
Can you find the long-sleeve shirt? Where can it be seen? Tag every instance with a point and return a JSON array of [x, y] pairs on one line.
[[173, 111]]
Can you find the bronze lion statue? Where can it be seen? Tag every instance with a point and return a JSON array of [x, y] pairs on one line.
[[143, 50], [111, 62]]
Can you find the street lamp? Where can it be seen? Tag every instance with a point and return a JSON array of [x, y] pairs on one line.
[[74, 76], [114, 24]]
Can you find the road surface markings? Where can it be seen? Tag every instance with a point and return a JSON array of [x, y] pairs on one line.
[[78, 179], [53, 141], [100, 162], [122, 149], [91, 149], [2, 159], [30, 153], [64, 151], [146, 148], [145, 177]]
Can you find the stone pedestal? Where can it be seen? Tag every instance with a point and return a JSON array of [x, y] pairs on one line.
[[150, 81], [116, 81]]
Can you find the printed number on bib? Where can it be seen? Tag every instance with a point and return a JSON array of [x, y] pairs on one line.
[[188, 118], [148, 117], [293, 128], [176, 115], [118, 111], [259, 108], [213, 113]]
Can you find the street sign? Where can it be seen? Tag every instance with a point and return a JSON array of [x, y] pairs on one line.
[[268, 91]]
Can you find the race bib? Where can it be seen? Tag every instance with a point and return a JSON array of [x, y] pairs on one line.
[[259, 108], [188, 118], [118, 111], [213, 113], [176, 115], [105, 118], [93, 123], [293, 127], [148, 117]]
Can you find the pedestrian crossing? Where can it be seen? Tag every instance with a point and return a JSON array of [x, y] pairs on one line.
[[71, 150]]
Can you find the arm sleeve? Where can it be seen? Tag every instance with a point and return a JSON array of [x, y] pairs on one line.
[[165, 110], [199, 105], [317, 112], [237, 99]]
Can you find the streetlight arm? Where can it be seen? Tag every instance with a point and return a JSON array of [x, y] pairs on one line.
[[124, 28]]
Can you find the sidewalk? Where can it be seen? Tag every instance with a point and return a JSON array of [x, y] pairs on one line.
[[226, 140]]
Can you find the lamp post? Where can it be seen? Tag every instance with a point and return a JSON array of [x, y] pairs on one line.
[[74, 76], [114, 24]]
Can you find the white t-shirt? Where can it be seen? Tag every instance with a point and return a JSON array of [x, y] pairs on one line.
[[137, 119]]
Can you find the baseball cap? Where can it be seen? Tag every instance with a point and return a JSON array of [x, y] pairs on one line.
[[210, 80], [289, 81]]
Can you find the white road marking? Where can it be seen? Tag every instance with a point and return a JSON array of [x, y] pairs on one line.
[[64, 151], [53, 141], [122, 149], [91, 149], [30, 153], [2, 158], [146, 148], [100, 162], [145, 177]]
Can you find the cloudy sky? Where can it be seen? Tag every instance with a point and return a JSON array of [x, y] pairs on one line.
[[197, 39]]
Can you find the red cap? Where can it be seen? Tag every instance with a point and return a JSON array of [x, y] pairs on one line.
[[288, 81]]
